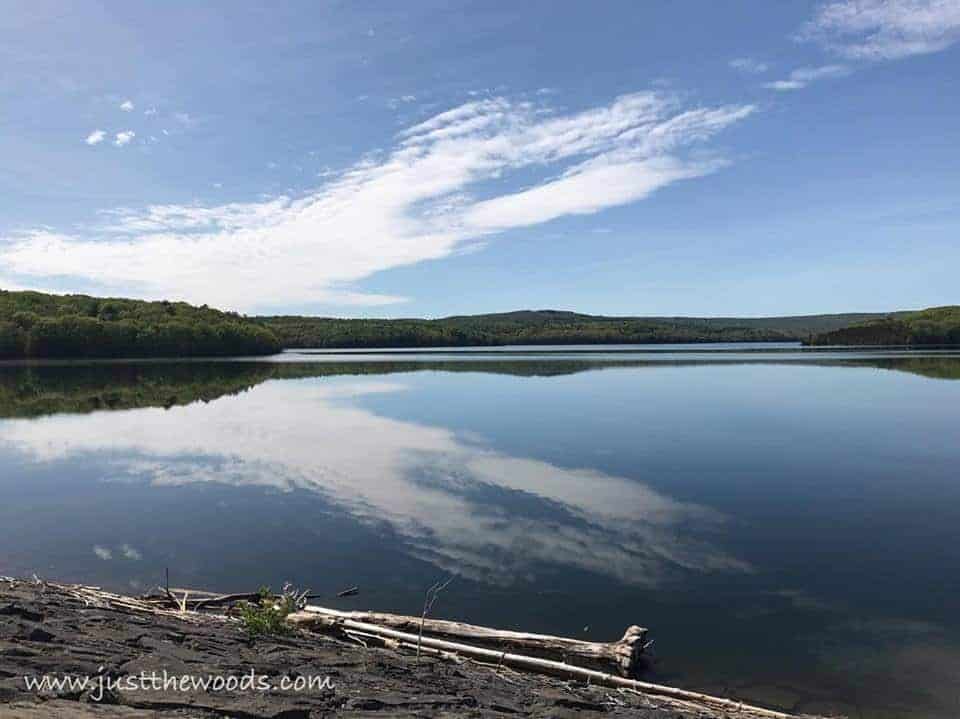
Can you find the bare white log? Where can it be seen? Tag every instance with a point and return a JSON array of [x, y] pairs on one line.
[[534, 664], [623, 654]]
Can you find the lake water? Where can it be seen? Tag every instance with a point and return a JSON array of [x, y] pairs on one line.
[[786, 522]]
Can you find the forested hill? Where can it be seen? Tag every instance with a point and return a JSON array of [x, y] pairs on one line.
[[548, 327], [934, 326], [34, 324]]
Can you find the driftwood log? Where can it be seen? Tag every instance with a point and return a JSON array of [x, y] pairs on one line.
[[392, 637], [624, 655]]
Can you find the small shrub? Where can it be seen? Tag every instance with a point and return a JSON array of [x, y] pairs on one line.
[[267, 617]]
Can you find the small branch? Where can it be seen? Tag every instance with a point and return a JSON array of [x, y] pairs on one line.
[[431, 597]]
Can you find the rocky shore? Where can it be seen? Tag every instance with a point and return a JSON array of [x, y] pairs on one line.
[[137, 663]]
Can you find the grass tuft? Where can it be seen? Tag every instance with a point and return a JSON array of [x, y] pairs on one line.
[[267, 616]]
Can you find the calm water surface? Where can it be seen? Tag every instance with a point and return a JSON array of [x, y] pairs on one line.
[[787, 523]]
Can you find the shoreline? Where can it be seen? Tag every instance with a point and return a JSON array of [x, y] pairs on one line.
[[50, 629]]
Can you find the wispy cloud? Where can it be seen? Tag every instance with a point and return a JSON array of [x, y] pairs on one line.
[[394, 102], [801, 77], [124, 138], [749, 65], [126, 106], [885, 29], [446, 182], [96, 137]]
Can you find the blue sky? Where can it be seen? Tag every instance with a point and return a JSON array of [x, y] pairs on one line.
[[436, 158]]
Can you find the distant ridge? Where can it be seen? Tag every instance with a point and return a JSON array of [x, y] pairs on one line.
[[546, 326]]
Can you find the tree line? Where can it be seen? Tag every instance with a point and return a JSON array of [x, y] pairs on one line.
[[34, 324], [542, 327], [491, 330], [933, 326]]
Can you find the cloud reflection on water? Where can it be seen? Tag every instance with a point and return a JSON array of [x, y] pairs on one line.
[[462, 506]]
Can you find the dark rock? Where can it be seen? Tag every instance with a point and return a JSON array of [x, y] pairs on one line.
[[35, 634], [16, 610], [80, 640]]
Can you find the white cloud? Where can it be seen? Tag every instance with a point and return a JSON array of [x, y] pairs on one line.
[[126, 106], [801, 77], [124, 138], [394, 102], [749, 65], [576, 194], [446, 182], [96, 137], [885, 29]]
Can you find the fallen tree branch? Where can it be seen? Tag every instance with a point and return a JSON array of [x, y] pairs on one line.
[[208, 600], [536, 664], [623, 654]]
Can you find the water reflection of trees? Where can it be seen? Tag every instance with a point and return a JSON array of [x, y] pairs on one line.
[[49, 389], [39, 389]]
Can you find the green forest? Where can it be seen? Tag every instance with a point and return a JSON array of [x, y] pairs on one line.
[[545, 327], [34, 324], [38, 325], [933, 326]]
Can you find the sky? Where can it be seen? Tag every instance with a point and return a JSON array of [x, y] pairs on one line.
[[428, 158]]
